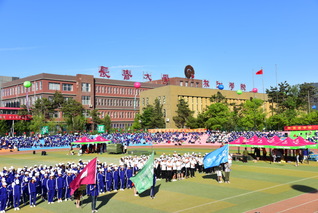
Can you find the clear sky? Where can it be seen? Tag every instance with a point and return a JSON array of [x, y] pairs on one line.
[[224, 40]]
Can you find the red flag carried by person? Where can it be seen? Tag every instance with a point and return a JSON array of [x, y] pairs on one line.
[[260, 72], [86, 176]]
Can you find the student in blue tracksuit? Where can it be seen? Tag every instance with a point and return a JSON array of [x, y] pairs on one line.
[[109, 180], [93, 192], [43, 186], [10, 195], [3, 196], [115, 179], [129, 173], [16, 194], [60, 185], [25, 191], [51, 185], [101, 181], [122, 177], [68, 179], [32, 192]]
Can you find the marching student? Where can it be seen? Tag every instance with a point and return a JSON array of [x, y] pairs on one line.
[[32, 192], [122, 177], [16, 194], [93, 192], [60, 185], [3, 197], [68, 179], [51, 185]]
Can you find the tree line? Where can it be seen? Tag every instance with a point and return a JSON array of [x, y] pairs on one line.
[[289, 105]]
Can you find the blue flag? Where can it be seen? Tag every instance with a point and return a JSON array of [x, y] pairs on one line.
[[216, 157]]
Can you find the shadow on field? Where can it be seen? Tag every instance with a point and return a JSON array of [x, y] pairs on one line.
[[102, 200], [303, 188], [210, 176], [147, 192]]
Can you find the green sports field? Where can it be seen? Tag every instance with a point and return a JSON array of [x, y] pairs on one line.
[[252, 185]]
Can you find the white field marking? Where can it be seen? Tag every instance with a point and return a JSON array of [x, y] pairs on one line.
[[281, 201], [247, 193], [297, 206], [281, 169]]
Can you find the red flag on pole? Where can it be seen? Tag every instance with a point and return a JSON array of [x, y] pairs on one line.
[[86, 176], [260, 72]]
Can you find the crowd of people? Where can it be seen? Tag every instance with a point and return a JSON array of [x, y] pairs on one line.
[[26, 186], [174, 138]]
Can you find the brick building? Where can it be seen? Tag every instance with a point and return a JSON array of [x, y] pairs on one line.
[[113, 97]]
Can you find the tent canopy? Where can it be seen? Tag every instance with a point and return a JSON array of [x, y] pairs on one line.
[[85, 140]]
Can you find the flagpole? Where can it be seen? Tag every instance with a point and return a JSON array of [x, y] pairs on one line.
[[253, 80]]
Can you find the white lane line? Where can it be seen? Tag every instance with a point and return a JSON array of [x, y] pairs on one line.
[[247, 193], [298, 205]]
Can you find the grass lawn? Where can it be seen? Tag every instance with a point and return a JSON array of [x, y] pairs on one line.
[[252, 185]]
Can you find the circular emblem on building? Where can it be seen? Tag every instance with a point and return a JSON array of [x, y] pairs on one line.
[[189, 71]]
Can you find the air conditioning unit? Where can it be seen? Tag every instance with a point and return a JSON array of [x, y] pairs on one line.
[[167, 120], [90, 106]]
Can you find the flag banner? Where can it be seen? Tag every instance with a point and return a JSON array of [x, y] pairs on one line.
[[143, 180], [216, 157], [260, 72], [86, 176]]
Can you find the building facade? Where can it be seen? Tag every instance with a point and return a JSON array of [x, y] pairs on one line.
[[4, 79], [116, 98], [197, 98]]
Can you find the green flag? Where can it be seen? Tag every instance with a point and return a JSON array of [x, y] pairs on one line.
[[45, 130], [143, 180]]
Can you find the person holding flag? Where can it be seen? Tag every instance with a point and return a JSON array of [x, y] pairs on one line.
[[143, 180], [86, 176], [217, 157]]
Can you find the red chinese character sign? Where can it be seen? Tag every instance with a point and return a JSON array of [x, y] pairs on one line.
[[104, 72], [147, 76], [165, 79], [218, 83], [206, 83], [127, 74], [243, 87], [231, 85]]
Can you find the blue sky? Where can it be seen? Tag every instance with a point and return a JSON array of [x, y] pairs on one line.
[[226, 41]]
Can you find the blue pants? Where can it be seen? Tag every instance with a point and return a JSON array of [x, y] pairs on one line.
[[3, 201], [32, 198], [59, 193], [51, 194], [16, 200]]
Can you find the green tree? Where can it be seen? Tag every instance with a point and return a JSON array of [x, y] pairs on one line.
[[73, 114], [218, 115], [158, 117], [106, 121], [95, 118], [42, 108], [147, 117], [58, 100], [253, 115], [184, 114], [22, 126], [218, 98], [37, 123], [4, 127], [137, 122]]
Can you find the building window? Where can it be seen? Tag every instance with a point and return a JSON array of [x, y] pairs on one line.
[[67, 87], [86, 100], [197, 84], [103, 89], [54, 86], [191, 84], [147, 101], [186, 83], [86, 87], [181, 83], [163, 99], [56, 114]]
